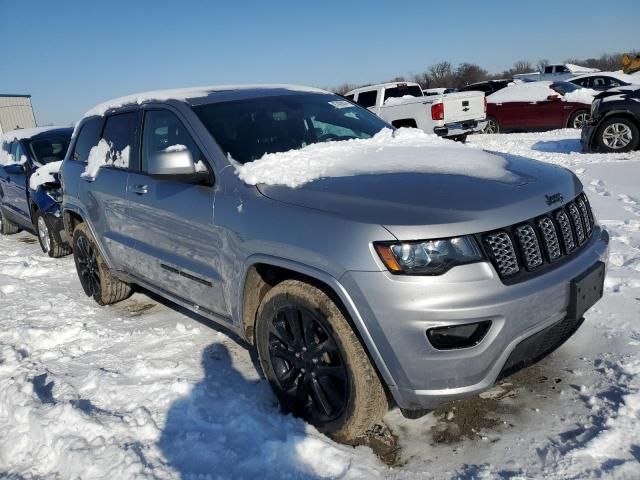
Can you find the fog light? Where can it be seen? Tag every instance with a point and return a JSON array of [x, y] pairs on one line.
[[458, 336]]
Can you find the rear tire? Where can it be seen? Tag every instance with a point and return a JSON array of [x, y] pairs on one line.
[[578, 119], [96, 279], [7, 227], [492, 126], [316, 364], [48, 242], [617, 135]]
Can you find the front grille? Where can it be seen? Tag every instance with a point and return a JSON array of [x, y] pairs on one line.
[[520, 249]]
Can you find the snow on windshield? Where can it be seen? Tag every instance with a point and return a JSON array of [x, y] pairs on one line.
[[104, 155], [405, 150], [44, 174]]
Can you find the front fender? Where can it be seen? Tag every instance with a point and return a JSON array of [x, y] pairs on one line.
[[331, 282]]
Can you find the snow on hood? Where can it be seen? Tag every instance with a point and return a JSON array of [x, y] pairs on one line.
[[44, 174], [405, 150], [580, 69], [183, 94], [583, 95]]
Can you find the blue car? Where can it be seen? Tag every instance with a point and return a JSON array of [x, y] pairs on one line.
[[30, 190]]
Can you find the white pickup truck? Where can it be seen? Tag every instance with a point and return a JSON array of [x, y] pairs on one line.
[[403, 104]]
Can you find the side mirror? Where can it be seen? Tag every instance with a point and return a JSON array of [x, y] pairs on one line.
[[15, 169], [176, 164], [553, 98]]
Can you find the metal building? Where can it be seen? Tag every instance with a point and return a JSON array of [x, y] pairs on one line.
[[16, 112]]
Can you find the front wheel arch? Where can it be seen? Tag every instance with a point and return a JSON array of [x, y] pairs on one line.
[[264, 273]]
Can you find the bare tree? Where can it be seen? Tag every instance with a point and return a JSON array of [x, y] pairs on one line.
[[467, 73], [542, 64]]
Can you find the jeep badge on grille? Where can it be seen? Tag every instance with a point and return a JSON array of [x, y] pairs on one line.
[[554, 198]]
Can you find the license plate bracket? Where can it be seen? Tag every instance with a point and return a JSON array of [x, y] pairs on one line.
[[585, 290]]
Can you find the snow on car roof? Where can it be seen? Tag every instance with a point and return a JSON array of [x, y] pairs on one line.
[[619, 75], [183, 94], [21, 133], [538, 92]]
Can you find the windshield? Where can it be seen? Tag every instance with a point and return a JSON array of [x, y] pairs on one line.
[[564, 87], [248, 129], [51, 149], [401, 90]]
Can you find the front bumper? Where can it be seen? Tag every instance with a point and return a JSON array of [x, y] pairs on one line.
[[586, 136], [460, 128], [398, 310]]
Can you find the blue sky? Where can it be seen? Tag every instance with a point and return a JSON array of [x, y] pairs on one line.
[[71, 54]]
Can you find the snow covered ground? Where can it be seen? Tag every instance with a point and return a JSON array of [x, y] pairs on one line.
[[144, 389]]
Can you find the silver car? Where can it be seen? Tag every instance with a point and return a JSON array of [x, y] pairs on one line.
[[359, 293]]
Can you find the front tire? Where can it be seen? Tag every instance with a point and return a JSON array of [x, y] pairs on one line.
[[316, 364], [617, 135], [578, 119], [48, 242], [96, 279], [7, 227]]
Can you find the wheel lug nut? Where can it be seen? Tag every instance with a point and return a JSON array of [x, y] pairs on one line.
[[297, 355], [302, 370], [304, 349]]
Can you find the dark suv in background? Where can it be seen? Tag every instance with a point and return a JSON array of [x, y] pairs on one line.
[[30, 193], [615, 121]]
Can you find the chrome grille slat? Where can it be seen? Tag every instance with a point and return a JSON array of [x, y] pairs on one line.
[[529, 246], [574, 214], [503, 252], [523, 248], [586, 219], [566, 231], [549, 238]]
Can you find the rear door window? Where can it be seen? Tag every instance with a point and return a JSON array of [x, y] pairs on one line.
[[87, 138], [367, 99], [120, 133], [402, 90]]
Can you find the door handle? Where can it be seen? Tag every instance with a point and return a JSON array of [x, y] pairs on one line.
[[139, 189]]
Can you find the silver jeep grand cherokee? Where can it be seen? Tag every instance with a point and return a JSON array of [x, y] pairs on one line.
[[359, 292]]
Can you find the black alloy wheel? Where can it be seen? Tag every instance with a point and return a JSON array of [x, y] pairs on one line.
[[308, 365], [88, 269]]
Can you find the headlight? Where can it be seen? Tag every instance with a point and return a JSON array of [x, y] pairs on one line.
[[428, 257], [594, 106]]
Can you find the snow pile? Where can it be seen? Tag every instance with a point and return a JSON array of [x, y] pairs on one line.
[[44, 174], [103, 155], [183, 94], [405, 150]]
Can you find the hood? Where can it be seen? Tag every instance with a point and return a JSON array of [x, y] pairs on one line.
[[413, 205]]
